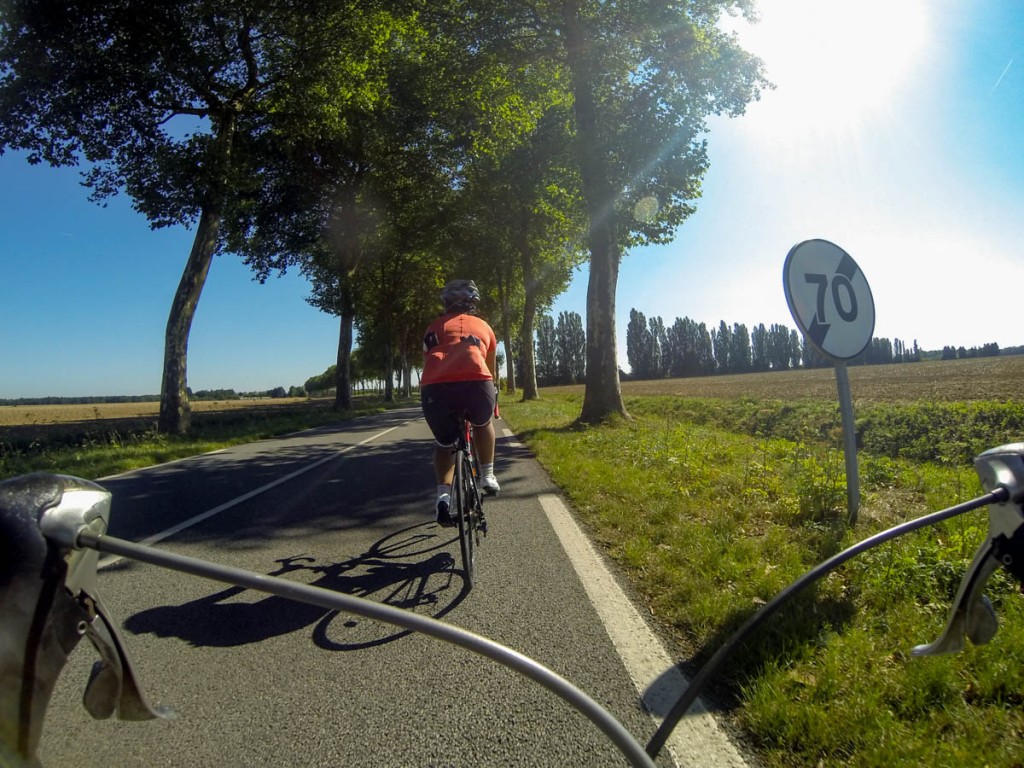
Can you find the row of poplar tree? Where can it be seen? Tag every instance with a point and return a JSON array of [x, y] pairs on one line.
[[688, 348]]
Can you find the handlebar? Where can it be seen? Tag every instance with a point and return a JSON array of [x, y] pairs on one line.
[[55, 527]]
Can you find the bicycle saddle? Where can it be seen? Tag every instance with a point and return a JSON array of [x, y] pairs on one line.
[[48, 601], [971, 615]]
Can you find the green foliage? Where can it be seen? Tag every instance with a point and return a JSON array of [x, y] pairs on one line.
[[323, 381], [948, 432], [713, 507]]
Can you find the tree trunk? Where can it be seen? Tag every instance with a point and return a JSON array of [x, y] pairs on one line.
[[602, 395], [175, 413], [406, 376], [506, 338], [529, 311], [343, 372], [389, 374]]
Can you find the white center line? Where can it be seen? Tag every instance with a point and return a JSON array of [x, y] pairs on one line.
[[157, 537]]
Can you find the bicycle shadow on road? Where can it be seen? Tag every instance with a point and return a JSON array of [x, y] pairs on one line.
[[410, 569]]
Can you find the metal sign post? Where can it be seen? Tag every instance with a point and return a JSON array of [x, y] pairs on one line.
[[831, 302]]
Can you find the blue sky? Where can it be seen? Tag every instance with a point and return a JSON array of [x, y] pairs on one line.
[[896, 131]]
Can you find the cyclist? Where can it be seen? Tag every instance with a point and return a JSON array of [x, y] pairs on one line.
[[459, 374]]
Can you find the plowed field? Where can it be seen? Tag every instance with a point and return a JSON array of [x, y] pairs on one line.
[[992, 378]]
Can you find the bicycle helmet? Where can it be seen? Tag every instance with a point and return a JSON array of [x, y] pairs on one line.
[[460, 294]]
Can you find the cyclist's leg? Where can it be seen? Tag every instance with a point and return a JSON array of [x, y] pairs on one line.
[[480, 408], [484, 439], [435, 400], [444, 465]]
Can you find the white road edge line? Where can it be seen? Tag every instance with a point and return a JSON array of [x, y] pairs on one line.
[[697, 740], [511, 443], [157, 537]]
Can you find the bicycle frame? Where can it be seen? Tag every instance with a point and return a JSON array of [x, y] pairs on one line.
[[467, 500], [54, 526]]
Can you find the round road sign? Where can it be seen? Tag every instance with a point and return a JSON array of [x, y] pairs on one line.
[[829, 298]]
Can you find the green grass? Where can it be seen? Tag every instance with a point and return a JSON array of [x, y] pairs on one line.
[[712, 507], [104, 452]]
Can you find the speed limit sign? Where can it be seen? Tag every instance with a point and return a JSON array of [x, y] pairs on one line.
[[829, 298]]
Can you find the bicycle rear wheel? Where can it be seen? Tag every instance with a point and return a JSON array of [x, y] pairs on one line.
[[465, 506]]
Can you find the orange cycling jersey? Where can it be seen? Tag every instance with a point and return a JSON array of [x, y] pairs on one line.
[[456, 347]]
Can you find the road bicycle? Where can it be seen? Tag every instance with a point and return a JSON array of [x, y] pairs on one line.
[[53, 529], [466, 497]]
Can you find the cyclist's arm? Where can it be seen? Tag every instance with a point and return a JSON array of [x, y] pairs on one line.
[[492, 360]]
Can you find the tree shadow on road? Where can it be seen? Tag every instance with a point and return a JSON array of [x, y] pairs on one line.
[[410, 569]]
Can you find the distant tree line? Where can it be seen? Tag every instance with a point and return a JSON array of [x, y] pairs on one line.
[[85, 400], [960, 353], [688, 348], [368, 372], [202, 394], [230, 394]]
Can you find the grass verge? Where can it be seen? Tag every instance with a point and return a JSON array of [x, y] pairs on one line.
[[101, 452], [712, 508]]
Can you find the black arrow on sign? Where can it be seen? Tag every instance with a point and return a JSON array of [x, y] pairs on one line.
[[818, 331], [847, 267]]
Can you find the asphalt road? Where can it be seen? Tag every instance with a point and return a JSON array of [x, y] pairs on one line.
[[260, 680]]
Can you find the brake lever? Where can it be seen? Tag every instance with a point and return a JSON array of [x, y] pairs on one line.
[[972, 616], [113, 685], [49, 601]]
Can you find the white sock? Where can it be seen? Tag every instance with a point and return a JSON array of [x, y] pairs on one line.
[[443, 489], [487, 469]]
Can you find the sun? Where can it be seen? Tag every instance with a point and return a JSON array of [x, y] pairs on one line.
[[835, 63]]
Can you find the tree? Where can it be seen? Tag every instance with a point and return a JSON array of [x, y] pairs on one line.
[[644, 78], [795, 350], [107, 83], [353, 175], [571, 344], [704, 351], [759, 359], [723, 348], [546, 353], [739, 353], [158, 100], [657, 340], [780, 348], [636, 343], [527, 208]]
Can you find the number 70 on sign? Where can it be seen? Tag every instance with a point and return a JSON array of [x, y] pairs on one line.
[[829, 298]]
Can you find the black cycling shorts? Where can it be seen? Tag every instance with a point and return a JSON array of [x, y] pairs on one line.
[[444, 403]]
